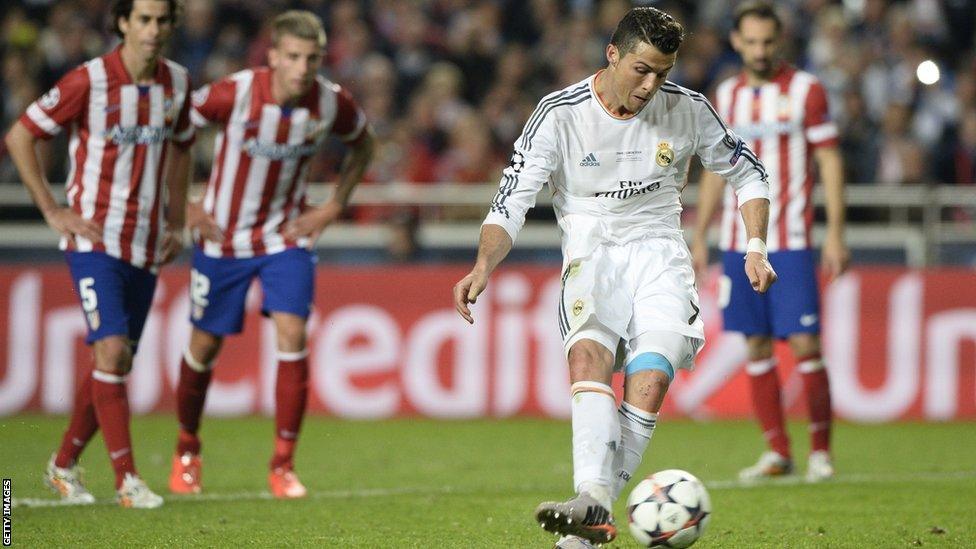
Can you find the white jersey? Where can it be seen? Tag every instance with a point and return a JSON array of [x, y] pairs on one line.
[[618, 180], [782, 121]]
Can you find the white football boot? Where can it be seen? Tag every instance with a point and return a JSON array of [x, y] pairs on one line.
[[136, 495], [66, 482], [771, 464], [819, 466]]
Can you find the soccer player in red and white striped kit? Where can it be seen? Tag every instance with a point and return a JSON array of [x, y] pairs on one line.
[[781, 112], [128, 113], [254, 222]]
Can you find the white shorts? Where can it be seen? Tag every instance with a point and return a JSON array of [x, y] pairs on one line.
[[634, 298]]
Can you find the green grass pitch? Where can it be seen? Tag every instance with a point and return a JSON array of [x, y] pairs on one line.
[[423, 483]]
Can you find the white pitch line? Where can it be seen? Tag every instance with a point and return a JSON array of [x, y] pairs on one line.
[[792, 480]]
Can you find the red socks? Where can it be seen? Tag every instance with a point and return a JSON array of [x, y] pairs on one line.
[[291, 394], [764, 386], [111, 405], [83, 425], [191, 393], [817, 389]]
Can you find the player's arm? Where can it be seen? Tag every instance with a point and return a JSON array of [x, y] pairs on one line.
[[533, 159], [315, 220], [211, 104], [43, 119], [722, 152], [709, 195], [493, 246], [834, 256], [177, 183], [351, 127]]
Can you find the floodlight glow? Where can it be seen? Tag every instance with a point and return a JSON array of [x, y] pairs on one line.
[[927, 72]]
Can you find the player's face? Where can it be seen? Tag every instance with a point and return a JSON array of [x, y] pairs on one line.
[[295, 62], [148, 27], [638, 74], [757, 41]]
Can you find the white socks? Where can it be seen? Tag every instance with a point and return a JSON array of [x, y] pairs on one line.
[[596, 438], [636, 429]]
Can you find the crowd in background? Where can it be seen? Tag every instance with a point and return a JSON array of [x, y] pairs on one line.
[[448, 84]]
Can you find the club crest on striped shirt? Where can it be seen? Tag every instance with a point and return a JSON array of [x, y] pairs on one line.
[[50, 99], [665, 154]]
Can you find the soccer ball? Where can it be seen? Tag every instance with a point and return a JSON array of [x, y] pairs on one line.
[[668, 509]]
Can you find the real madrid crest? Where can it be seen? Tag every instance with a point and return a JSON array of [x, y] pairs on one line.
[[665, 154], [578, 307]]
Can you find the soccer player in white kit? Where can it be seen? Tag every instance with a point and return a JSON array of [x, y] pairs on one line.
[[614, 149]]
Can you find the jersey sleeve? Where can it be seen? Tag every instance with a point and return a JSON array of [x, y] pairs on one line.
[[213, 103], [535, 156], [819, 129], [62, 105], [350, 121], [723, 152]]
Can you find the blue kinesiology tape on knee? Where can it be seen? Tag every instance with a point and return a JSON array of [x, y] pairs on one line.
[[650, 361]]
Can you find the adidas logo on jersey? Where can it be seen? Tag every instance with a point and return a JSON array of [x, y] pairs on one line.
[[589, 161]]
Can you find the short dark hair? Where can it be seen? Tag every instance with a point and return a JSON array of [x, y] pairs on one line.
[[123, 8], [651, 25], [760, 9]]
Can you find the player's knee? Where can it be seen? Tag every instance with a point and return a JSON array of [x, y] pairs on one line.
[[291, 333], [113, 355], [760, 347], [804, 345], [589, 360], [204, 347]]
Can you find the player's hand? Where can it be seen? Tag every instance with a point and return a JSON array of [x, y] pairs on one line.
[[197, 219], [172, 244], [313, 222], [834, 257], [69, 224], [467, 291], [699, 257], [760, 272]]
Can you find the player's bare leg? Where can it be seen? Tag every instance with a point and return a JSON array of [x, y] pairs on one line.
[[186, 473], [113, 361], [816, 387], [291, 395], [764, 387], [596, 434]]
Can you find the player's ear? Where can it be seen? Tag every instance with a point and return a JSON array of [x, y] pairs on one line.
[[273, 57], [613, 54]]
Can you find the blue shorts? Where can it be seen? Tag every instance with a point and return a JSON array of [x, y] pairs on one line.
[[791, 306], [218, 287], [115, 296]]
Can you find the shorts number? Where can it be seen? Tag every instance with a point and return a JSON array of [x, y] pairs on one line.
[[199, 288], [89, 300]]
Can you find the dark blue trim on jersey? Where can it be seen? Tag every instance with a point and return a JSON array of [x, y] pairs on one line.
[[545, 103], [568, 102]]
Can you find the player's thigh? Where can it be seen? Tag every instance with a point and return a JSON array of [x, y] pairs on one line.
[[218, 292], [101, 282], [743, 309], [795, 298], [288, 282]]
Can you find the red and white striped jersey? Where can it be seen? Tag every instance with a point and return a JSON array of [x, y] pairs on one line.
[[782, 121], [261, 153], [119, 137]]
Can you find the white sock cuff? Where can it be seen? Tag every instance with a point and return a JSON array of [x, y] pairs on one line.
[[592, 387], [810, 366], [106, 377], [630, 409], [760, 367], [195, 364], [292, 356]]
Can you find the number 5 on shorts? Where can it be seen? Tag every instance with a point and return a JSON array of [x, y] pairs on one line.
[[89, 301]]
